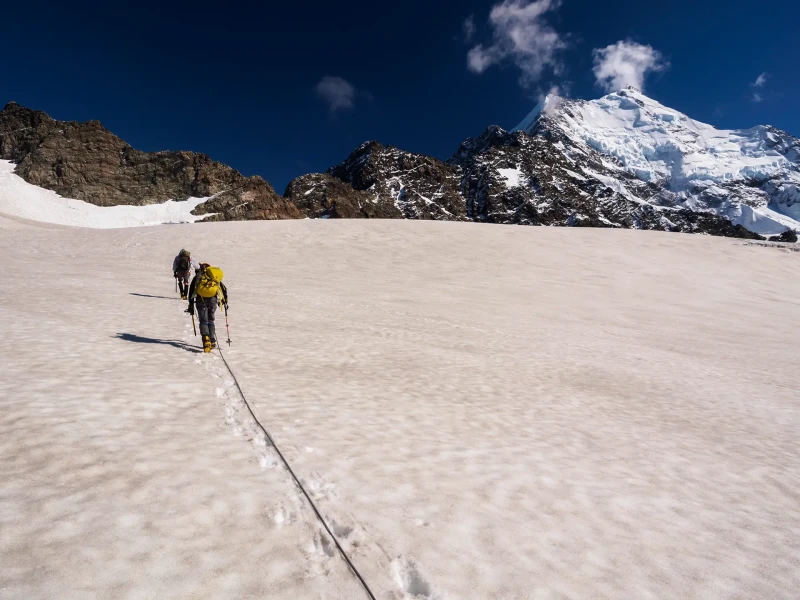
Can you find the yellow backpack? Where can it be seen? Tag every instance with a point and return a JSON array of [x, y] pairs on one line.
[[208, 286]]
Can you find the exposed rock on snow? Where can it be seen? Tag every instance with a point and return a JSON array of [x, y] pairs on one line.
[[787, 236]]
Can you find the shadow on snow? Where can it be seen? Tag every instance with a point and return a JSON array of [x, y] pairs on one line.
[[129, 337]]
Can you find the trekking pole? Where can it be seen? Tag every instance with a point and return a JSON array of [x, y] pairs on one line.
[[227, 327], [193, 327], [176, 285]]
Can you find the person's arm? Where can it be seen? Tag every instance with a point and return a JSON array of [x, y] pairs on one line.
[[175, 267], [192, 293]]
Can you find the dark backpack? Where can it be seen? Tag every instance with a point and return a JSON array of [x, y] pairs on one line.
[[183, 264]]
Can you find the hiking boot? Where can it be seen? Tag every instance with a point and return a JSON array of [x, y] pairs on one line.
[[206, 344]]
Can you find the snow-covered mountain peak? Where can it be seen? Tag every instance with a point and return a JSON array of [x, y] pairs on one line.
[[689, 162], [656, 143]]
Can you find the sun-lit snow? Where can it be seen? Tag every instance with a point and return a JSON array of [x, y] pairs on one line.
[[547, 106], [494, 413], [575, 175], [654, 142], [19, 198], [761, 220], [613, 184], [513, 177]]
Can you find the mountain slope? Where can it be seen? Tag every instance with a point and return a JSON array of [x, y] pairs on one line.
[[662, 157], [86, 162], [623, 160], [382, 182]]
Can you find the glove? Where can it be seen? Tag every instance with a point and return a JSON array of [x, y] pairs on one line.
[[226, 306], [175, 274], [190, 310]]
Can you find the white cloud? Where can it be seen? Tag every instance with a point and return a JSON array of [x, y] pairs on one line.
[[479, 59], [337, 92], [760, 81], [555, 90], [520, 33], [625, 63], [552, 107], [469, 28]]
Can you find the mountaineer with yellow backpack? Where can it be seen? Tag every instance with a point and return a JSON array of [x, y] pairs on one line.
[[206, 292]]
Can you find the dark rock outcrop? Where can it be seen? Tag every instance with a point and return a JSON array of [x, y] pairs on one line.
[[789, 236], [382, 182], [320, 195], [87, 162]]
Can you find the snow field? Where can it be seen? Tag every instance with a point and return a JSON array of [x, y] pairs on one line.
[[479, 411]]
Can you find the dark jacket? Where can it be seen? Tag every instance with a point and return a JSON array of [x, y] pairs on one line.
[[192, 265]]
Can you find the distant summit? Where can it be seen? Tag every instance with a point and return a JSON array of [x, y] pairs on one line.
[[661, 157]]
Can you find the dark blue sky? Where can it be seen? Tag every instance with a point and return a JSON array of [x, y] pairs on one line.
[[237, 80]]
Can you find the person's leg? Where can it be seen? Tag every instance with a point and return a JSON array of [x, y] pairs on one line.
[[202, 315], [211, 308]]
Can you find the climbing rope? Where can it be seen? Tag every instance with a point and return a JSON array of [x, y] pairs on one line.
[[297, 481]]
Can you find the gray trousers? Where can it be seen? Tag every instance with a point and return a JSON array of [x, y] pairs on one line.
[[183, 282], [206, 307]]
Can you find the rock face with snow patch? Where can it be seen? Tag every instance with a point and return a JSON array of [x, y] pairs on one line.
[[87, 162], [379, 181], [322, 196], [539, 179], [659, 158], [621, 161]]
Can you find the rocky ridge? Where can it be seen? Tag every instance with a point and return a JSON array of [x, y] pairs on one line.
[[87, 162], [559, 168], [621, 161], [379, 181]]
